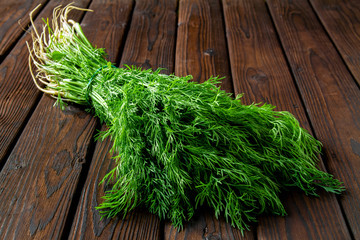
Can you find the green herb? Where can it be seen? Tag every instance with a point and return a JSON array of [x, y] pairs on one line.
[[179, 144]]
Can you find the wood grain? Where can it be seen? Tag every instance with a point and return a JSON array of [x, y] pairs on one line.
[[205, 226], [201, 43], [154, 49], [14, 19], [44, 151], [259, 69], [152, 32], [201, 52], [106, 27], [341, 20], [87, 223], [39, 179], [48, 157], [330, 94], [18, 94]]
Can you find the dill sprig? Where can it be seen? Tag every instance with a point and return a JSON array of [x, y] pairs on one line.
[[179, 144]]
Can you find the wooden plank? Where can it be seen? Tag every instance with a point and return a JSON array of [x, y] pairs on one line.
[[259, 70], [341, 20], [201, 52], [330, 94], [87, 223], [18, 94], [150, 43], [201, 43], [205, 226], [106, 28], [39, 179], [14, 19], [152, 32]]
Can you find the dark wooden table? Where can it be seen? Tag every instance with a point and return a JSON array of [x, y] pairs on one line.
[[302, 56]]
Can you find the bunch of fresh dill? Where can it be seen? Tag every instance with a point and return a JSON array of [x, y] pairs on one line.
[[180, 144]]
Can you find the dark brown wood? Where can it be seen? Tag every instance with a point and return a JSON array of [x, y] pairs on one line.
[[201, 43], [201, 52], [18, 94], [14, 19], [40, 177], [106, 28], [43, 149], [87, 223], [205, 226], [41, 174], [149, 44], [152, 32], [259, 70], [341, 20], [330, 94]]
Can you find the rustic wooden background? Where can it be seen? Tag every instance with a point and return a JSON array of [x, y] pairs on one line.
[[302, 56]]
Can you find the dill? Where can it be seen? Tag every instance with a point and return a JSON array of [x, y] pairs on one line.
[[179, 144]]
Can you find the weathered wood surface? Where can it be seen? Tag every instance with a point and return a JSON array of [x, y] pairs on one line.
[[14, 20], [104, 27], [18, 94], [40, 177], [259, 69], [341, 20], [149, 44], [151, 39], [45, 163], [302, 57], [330, 94], [201, 52]]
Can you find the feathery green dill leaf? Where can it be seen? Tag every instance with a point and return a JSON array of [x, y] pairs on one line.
[[179, 144]]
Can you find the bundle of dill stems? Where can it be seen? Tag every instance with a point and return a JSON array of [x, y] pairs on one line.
[[179, 144]]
